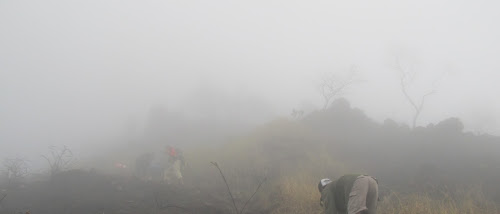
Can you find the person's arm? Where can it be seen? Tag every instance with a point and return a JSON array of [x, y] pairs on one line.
[[328, 199], [330, 207]]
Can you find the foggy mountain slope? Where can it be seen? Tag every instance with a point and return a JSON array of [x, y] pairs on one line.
[[342, 139], [291, 154], [239, 83], [394, 148]]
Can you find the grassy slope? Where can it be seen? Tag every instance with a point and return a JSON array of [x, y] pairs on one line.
[[415, 174]]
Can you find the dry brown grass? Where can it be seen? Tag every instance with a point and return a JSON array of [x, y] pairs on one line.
[[278, 152], [467, 202], [298, 195]]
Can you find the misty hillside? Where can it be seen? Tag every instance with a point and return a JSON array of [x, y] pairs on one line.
[[443, 148], [429, 160], [241, 107], [287, 157]]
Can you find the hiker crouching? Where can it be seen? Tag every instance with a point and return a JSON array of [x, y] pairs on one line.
[[350, 194]]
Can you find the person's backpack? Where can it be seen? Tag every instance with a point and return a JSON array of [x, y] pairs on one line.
[[342, 189]]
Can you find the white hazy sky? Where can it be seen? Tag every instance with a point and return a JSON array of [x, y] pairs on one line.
[[74, 72]]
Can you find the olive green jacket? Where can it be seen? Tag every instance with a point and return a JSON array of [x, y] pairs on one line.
[[328, 199], [335, 196]]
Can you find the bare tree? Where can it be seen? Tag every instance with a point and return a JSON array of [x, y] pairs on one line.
[[60, 159], [16, 169], [231, 195], [332, 86], [407, 76]]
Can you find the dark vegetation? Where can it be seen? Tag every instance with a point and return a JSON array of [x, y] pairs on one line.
[[439, 160]]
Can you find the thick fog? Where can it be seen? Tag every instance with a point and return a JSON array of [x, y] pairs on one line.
[[87, 73]]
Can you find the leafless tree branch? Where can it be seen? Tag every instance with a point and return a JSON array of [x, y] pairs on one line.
[[405, 77], [60, 159], [16, 169], [227, 185], [229, 190], [332, 86], [3, 198], [256, 190]]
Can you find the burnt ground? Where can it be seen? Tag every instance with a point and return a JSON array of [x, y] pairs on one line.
[[84, 192]]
